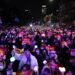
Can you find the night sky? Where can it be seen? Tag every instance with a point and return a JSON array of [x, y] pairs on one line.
[[33, 5]]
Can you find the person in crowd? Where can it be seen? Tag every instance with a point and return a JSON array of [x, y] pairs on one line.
[[50, 68], [29, 59], [30, 47], [2, 62], [26, 70]]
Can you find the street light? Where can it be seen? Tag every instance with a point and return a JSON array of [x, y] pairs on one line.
[[51, 0], [44, 6]]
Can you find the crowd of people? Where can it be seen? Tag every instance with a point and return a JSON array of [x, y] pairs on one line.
[[36, 50]]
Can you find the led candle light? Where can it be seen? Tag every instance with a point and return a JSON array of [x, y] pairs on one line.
[[12, 59]]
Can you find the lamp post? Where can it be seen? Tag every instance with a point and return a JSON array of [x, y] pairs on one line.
[[51, 0], [44, 9]]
